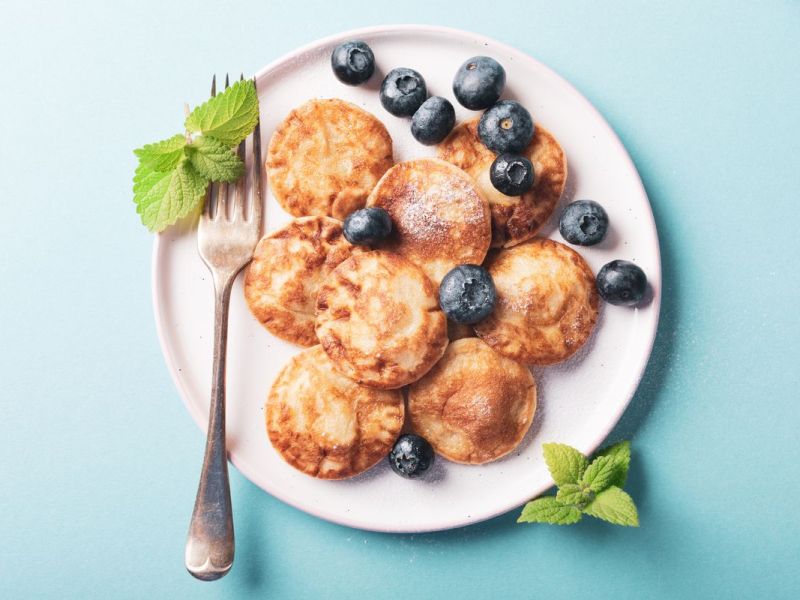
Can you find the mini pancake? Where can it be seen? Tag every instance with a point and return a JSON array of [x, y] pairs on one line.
[[546, 304], [440, 217], [326, 425], [474, 406], [514, 219], [288, 266], [378, 318], [325, 158]]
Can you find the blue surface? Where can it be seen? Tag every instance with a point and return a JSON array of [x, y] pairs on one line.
[[99, 459]]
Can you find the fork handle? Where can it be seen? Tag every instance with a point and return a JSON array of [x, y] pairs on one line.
[[209, 546]]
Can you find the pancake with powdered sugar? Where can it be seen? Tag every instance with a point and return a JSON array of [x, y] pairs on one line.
[[441, 219]]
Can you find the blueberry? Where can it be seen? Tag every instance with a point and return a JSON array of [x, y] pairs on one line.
[[479, 82], [403, 91], [511, 174], [353, 62], [621, 282], [411, 456], [467, 294], [367, 226], [506, 127], [433, 120], [583, 222]]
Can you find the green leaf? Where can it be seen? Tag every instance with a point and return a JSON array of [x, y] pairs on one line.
[[163, 197], [566, 464], [146, 177], [215, 160], [600, 473], [230, 116], [615, 506], [164, 155], [621, 453], [573, 494], [549, 510]]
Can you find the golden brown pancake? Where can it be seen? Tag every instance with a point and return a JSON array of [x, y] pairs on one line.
[[378, 318], [325, 158], [514, 219], [440, 218], [288, 266], [546, 303], [326, 425], [474, 406]]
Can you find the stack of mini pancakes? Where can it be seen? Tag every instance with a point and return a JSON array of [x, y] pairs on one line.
[[370, 317]]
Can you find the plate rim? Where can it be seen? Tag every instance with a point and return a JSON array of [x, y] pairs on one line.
[[444, 523]]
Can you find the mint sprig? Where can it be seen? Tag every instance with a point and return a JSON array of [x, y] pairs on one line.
[[173, 174], [585, 488]]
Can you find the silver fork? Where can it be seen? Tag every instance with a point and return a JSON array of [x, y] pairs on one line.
[[226, 237]]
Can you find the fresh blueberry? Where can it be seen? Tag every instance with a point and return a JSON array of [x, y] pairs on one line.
[[583, 222], [467, 294], [506, 127], [411, 456], [621, 282], [511, 174], [403, 91], [479, 82], [353, 62], [367, 226], [433, 120]]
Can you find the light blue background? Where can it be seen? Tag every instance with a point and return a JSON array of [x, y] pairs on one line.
[[99, 458]]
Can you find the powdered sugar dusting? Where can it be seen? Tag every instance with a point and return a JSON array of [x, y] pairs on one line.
[[518, 303], [434, 201], [417, 218]]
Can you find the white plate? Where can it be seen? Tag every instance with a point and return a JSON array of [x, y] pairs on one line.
[[579, 401]]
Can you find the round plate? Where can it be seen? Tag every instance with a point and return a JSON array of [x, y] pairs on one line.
[[579, 401]]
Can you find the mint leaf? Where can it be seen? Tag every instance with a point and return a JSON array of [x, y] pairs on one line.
[[145, 178], [230, 116], [214, 160], [573, 494], [163, 197], [565, 463], [615, 506], [164, 155], [549, 510], [600, 473], [618, 450], [621, 453]]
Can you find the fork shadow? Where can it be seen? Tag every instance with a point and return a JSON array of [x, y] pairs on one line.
[[252, 521]]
